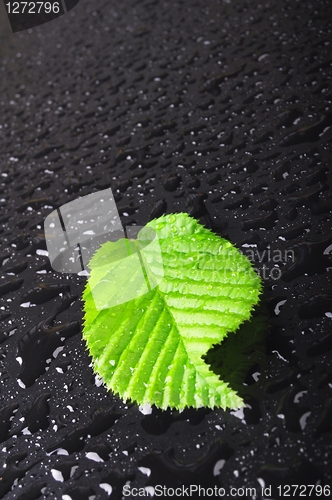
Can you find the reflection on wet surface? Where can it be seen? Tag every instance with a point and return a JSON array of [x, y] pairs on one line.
[[218, 109]]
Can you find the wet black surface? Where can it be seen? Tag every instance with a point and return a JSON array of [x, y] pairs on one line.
[[219, 109]]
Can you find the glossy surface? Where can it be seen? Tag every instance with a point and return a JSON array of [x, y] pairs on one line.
[[218, 109]]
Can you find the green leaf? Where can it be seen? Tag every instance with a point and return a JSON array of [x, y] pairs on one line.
[[149, 349]]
